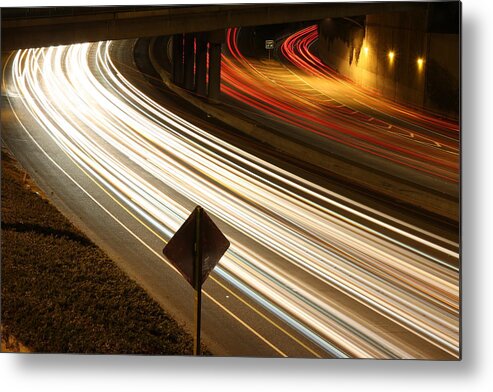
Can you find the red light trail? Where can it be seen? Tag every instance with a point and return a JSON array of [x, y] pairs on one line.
[[307, 94]]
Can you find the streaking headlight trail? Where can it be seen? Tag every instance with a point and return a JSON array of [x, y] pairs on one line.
[[316, 251]]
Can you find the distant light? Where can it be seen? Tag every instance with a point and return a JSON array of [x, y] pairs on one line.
[[366, 50], [420, 62], [391, 55]]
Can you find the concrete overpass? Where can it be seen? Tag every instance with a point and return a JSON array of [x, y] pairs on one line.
[[48, 26]]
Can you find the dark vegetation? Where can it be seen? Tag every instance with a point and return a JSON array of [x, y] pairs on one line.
[[62, 294]]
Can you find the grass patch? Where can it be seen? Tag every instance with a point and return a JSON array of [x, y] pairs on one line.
[[62, 294]]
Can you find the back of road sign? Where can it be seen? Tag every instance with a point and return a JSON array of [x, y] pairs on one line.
[[269, 44], [180, 249]]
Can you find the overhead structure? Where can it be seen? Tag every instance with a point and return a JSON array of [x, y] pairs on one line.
[[50, 26]]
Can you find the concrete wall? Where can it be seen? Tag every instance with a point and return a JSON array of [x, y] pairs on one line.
[[443, 74], [362, 54]]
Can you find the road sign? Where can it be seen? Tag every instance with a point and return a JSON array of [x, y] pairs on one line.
[[194, 250], [269, 44], [180, 248]]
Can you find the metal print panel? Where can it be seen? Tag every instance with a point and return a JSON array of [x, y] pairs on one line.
[[322, 140]]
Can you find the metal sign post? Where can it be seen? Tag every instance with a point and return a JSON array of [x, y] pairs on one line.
[[197, 274], [194, 250]]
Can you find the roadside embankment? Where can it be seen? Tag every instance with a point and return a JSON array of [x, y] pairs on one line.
[[61, 293]]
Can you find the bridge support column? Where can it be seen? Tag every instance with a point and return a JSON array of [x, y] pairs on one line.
[[216, 38], [214, 71], [177, 60], [201, 64], [189, 60]]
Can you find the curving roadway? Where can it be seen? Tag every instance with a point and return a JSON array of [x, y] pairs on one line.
[[311, 272]]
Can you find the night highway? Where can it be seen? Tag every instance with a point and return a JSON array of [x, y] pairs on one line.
[[326, 109], [314, 269]]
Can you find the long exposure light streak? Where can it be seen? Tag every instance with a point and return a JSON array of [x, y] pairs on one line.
[[304, 92], [318, 255]]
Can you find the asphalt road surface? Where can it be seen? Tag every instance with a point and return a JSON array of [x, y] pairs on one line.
[[312, 271]]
